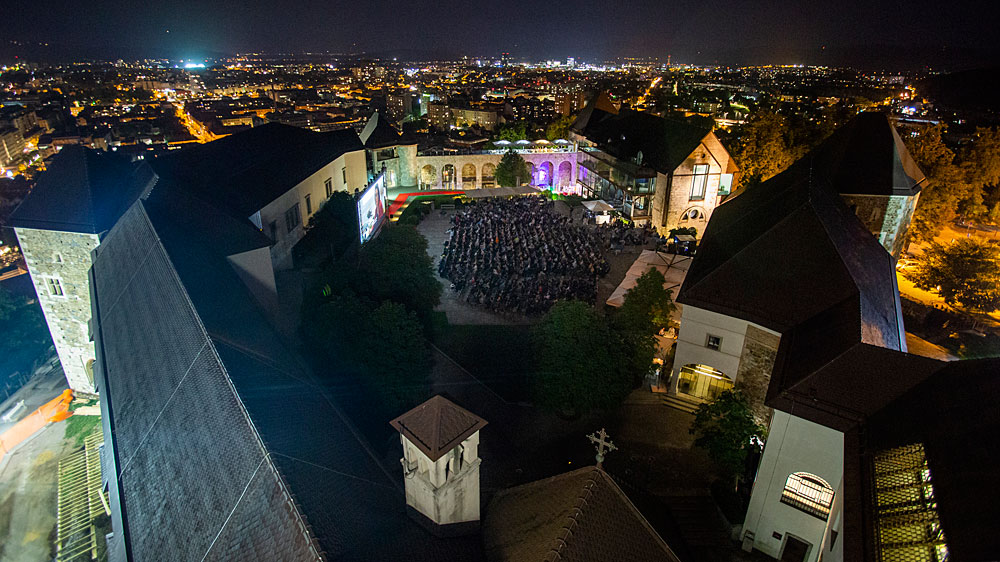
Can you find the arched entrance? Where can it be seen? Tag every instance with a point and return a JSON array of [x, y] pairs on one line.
[[543, 176], [702, 381], [565, 175], [489, 175], [448, 177], [531, 174], [469, 176], [428, 177]]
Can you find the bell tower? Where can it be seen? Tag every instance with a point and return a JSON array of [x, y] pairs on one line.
[[441, 465]]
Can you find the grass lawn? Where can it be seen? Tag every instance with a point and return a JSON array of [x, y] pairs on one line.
[[500, 356]]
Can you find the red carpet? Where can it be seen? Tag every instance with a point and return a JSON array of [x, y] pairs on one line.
[[401, 200]]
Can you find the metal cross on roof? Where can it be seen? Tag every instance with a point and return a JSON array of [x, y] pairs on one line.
[[602, 444]]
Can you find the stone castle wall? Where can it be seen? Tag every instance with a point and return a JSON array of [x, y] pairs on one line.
[[65, 258], [756, 364]]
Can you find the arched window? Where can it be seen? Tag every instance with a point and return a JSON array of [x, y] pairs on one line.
[[809, 493]]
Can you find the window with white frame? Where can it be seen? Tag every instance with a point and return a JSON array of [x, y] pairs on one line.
[[328, 184], [808, 493], [54, 286], [699, 182], [713, 342]]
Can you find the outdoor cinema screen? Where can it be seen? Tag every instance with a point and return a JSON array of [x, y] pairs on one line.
[[371, 209]]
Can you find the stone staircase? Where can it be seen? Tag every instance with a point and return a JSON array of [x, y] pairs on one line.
[[679, 402]]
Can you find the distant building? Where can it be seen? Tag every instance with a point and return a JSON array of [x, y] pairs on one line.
[[664, 173], [11, 146], [570, 103], [401, 104], [442, 116]]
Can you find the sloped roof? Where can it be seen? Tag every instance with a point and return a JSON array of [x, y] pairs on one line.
[[379, 133], [579, 516], [783, 252], [597, 108], [864, 157], [437, 426], [247, 170], [83, 190], [664, 144], [262, 457]]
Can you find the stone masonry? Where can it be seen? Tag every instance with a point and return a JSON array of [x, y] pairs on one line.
[[60, 261], [756, 363]]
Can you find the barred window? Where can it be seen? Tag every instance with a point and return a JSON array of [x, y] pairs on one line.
[[907, 526], [809, 493]]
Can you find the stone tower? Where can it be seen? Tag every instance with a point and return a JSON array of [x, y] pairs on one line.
[[74, 202], [441, 465]]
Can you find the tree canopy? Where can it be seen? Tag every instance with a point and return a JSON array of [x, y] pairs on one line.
[[726, 429], [645, 311], [580, 367], [944, 188], [513, 132], [965, 272], [383, 343], [559, 129], [512, 170], [330, 232]]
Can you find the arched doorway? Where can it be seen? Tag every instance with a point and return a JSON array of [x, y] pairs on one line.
[[702, 381], [428, 177], [469, 176], [543, 177], [489, 175], [565, 175], [530, 180], [448, 176]]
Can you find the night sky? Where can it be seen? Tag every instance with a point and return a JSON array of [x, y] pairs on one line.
[[864, 32]]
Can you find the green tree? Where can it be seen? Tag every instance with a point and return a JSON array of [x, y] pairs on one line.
[[9, 304], [559, 129], [330, 232], [965, 272], [945, 186], [396, 266], [726, 429], [383, 343], [512, 132], [994, 216], [759, 147], [512, 170], [579, 362], [645, 311]]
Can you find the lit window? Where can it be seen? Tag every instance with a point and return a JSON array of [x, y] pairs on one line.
[[328, 184], [809, 493], [699, 181], [905, 509], [714, 342], [292, 217], [55, 287]]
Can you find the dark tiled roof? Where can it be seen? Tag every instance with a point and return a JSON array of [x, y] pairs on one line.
[[785, 251], [664, 144], [597, 108], [864, 157], [236, 451], [437, 426], [247, 170], [83, 190], [378, 133], [579, 516]]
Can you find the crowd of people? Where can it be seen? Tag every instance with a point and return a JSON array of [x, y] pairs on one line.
[[518, 255]]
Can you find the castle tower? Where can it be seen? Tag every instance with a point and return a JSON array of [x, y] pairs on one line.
[[441, 465]]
